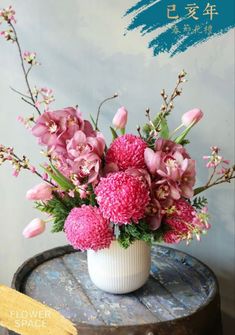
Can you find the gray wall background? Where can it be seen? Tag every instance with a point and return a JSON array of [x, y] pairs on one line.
[[86, 58]]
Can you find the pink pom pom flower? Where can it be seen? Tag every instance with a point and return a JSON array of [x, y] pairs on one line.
[[122, 197], [86, 228], [127, 151]]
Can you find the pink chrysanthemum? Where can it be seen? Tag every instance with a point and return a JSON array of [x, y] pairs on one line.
[[86, 228], [122, 197], [127, 151]]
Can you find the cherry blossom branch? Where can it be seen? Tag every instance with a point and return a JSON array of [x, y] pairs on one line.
[[8, 154], [217, 162], [216, 182], [25, 72]]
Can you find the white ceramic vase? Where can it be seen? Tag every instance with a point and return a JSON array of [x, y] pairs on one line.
[[118, 270]]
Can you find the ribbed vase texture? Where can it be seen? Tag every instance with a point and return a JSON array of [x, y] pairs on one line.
[[118, 270]]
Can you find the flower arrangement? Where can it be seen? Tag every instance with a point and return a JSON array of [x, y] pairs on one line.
[[140, 187]]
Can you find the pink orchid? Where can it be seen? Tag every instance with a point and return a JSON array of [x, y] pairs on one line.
[[188, 179], [168, 147], [80, 144], [152, 160], [55, 128], [86, 167]]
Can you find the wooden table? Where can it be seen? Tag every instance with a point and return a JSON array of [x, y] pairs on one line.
[[181, 296]]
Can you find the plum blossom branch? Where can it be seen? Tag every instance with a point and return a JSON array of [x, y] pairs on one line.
[[8, 154], [219, 167], [26, 72], [8, 16]]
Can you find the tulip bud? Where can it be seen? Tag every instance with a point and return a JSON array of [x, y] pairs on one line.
[[192, 117], [41, 192], [34, 228], [120, 118]]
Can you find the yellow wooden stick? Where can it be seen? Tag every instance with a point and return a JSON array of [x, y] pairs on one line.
[[27, 316]]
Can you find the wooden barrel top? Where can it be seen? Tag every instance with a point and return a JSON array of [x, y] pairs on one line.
[[181, 296]]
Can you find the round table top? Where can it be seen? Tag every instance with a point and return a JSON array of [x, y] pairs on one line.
[[178, 286]]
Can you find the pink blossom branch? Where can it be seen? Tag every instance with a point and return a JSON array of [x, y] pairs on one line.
[[225, 178], [26, 72], [7, 154]]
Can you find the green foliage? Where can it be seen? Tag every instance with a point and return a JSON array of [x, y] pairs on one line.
[[131, 232], [114, 133], [159, 122], [59, 178], [158, 234], [147, 127], [92, 120], [199, 202], [181, 138], [164, 132], [184, 142], [59, 209]]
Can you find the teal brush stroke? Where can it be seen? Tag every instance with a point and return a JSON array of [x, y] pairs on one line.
[[151, 16]]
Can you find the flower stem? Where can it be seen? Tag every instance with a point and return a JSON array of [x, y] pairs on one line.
[[23, 68], [99, 108]]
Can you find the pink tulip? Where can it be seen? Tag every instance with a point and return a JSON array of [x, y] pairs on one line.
[[41, 192], [34, 228], [120, 118], [191, 117]]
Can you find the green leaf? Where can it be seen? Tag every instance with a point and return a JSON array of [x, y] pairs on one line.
[[132, 232], [164, 132], [114, 133], [92, 120], [184, 142], [59, 178], [199, 202], [59, 208], [63, 179], [181, 137]]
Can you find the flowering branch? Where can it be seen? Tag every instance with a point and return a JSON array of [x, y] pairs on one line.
[[26, 72], [215, 161], [168, 105], [159, 122], [7, 154], [8, 15]]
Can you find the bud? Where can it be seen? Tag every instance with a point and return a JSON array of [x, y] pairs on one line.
[[191, 117], [41, 192], [34, 228], [120, 118]]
